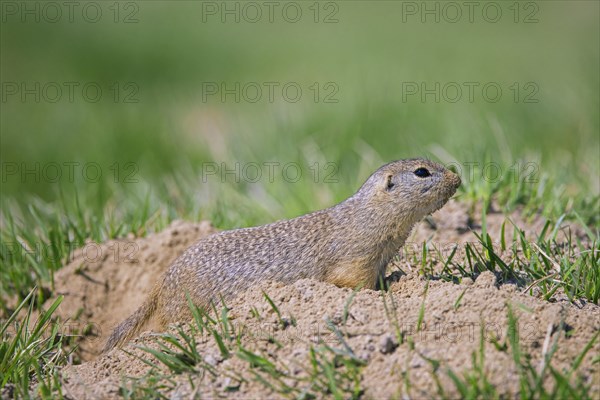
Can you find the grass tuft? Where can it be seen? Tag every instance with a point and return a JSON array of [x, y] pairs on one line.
[[31, 351]]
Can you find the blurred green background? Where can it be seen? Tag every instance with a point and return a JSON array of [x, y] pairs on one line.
[[364, 55]]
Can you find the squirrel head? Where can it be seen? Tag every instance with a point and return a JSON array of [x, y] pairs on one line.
[[409, 189]]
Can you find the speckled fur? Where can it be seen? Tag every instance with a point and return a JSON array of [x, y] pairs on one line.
[[348, 245]]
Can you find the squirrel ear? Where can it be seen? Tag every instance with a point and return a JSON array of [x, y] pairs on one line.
[[389, 182]]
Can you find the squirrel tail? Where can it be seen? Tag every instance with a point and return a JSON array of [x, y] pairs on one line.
[[134, 323]]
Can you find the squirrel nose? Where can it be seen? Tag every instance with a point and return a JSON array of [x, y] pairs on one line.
[[454, 179]]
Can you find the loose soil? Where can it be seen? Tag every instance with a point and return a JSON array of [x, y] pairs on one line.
[[103, 284]]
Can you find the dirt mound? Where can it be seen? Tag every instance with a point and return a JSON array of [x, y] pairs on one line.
[[448, 334], [397, 342], [104, 283]]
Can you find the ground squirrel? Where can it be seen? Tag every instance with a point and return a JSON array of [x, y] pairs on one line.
[[349, 244]]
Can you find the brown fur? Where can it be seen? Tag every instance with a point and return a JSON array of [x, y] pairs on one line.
[[349, 244]]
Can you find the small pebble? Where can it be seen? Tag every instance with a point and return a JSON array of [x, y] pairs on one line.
[[387, 344], [210, 360], [364, 356], [487, 280]]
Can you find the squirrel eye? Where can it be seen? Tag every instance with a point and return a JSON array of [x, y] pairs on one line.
[[422, 172], [390, 184]]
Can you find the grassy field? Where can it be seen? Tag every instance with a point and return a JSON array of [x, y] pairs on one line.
[[120, 121]]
